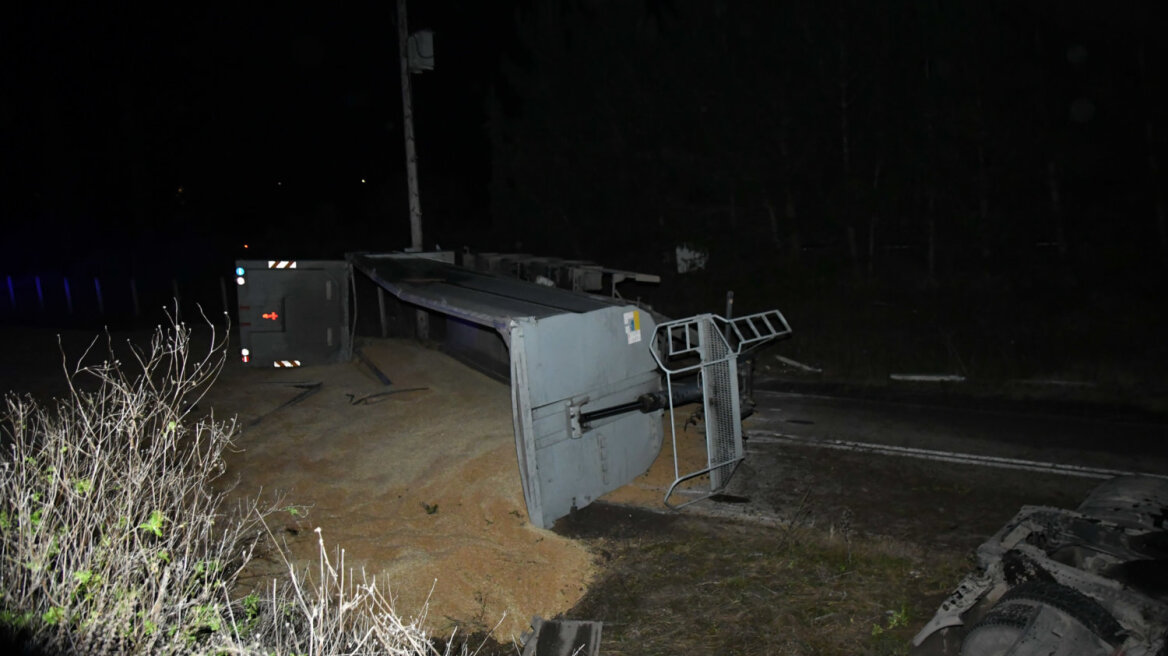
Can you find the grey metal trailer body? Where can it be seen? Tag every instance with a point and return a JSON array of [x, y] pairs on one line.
[[567, 353], [293, 312]]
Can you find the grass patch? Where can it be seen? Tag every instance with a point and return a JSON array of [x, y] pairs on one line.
[[703, 586]]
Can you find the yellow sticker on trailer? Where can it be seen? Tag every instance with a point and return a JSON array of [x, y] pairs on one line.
[[633, 326]]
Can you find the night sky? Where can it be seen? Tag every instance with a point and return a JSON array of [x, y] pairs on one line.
[[193, 128], [968, 133]]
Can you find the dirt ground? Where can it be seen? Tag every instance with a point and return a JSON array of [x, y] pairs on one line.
[[423, 485], [419, 486], [811, 552]]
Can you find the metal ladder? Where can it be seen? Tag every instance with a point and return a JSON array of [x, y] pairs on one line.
[[715, 343]]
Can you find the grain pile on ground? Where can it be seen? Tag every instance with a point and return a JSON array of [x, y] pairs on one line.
[[648, 490], [421, 485]]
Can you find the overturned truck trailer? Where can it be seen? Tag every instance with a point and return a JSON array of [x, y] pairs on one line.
[[590, 375]]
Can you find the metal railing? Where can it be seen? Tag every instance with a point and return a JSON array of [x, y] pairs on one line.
[[708, 346]]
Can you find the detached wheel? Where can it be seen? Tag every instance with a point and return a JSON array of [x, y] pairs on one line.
[[1049, 618]]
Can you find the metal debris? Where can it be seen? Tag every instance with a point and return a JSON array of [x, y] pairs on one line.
[[309, 390], [562, 638]]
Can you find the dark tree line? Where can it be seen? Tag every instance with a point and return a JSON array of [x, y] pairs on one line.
[[919, 142]]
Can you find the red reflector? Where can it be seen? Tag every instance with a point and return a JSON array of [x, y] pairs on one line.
[[246, 359]]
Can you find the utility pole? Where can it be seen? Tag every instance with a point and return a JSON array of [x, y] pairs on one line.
[[403, 38], [421, 317]]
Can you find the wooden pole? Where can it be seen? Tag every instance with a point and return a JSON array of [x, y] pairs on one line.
[[403, 37], [422, 320]]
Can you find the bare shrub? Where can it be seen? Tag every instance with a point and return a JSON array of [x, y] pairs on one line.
[[116, 535], [328, 610]]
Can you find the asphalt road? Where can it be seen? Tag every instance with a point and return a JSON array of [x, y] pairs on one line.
[[1017, 433], [845, 463]]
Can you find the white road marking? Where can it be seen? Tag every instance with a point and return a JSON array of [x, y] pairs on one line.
[[772, 437]]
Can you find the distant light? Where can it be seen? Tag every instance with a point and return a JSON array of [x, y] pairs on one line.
[[245, 246], [362, 180], [240, 281], [239, 270], [279, 183], [245, 352]]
